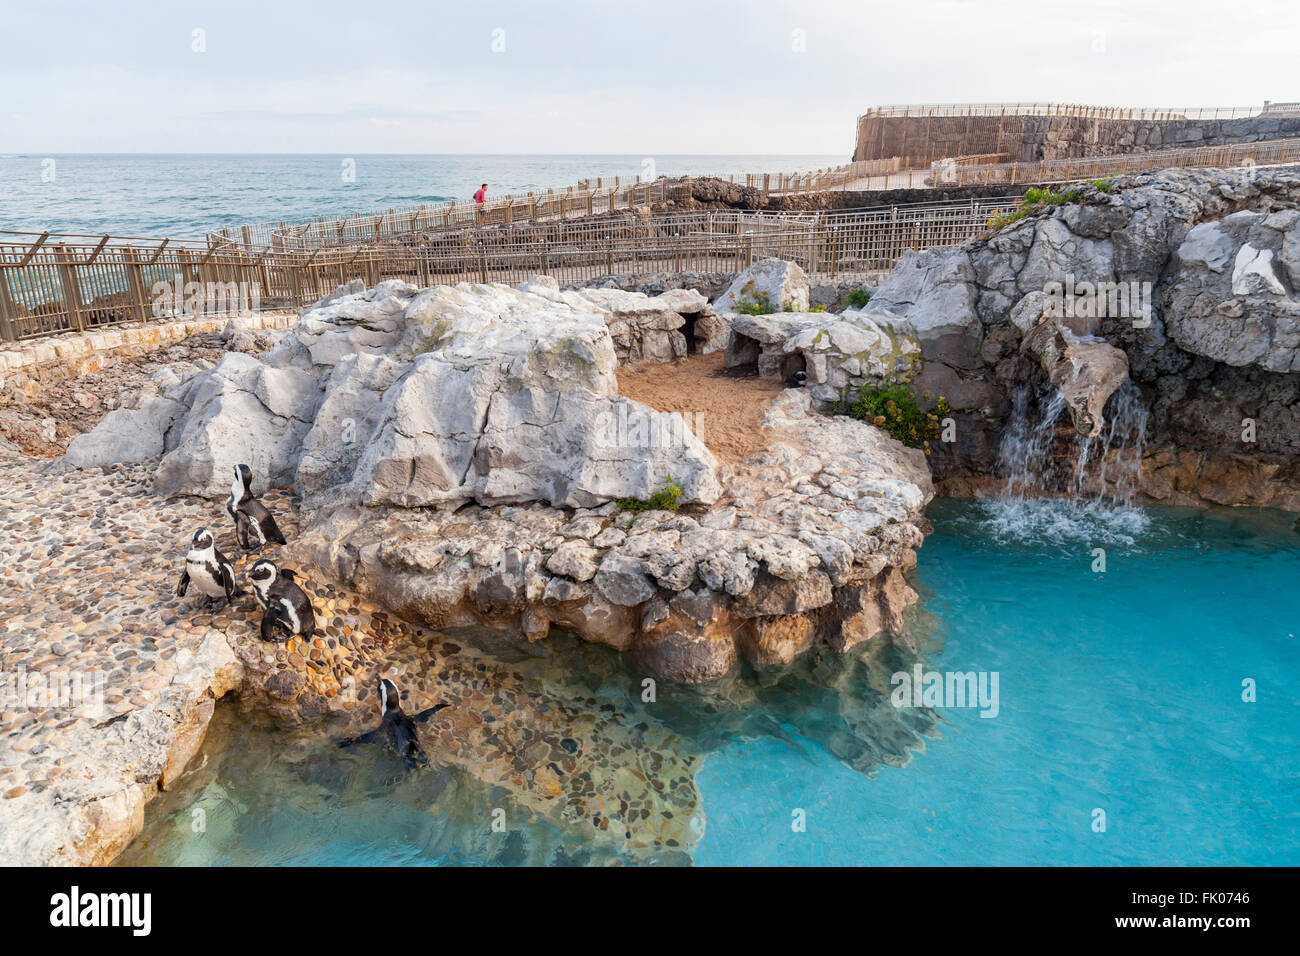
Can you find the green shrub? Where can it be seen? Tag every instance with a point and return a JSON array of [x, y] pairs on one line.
[[858, 298], [756, 304], [893, 407], [1034, 197], [663, 500], [1104, 185]]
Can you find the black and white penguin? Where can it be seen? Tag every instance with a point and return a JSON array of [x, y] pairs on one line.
[[797, 379], [209, 570], [253, 522], [397, 726], [286, 609]]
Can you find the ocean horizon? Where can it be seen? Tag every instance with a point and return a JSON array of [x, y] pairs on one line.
[[186, 195]]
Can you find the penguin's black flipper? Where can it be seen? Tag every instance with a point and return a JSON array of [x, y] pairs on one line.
[[233, 590], [183, 584], [271, 618], [272, 530], [424, 715], [241, 529], [370, 737]]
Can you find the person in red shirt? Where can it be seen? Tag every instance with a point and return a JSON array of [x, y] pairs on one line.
[[480, 201]]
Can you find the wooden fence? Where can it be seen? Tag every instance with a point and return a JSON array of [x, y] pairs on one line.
[[1073, 109], [1268, 153], [589, 198], [51, 284]]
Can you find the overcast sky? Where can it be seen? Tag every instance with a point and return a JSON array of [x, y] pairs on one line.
[[511, 76]]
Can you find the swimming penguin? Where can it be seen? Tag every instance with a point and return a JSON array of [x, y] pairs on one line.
[[399, 728], [211, 571], [252, 519], [286, 607]]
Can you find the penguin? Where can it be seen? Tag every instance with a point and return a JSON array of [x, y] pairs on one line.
[[399, 728], [211, 571], [285, 606], [797, 379], [252, 519]]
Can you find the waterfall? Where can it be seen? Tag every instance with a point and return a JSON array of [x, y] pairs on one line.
[[1075, 488]]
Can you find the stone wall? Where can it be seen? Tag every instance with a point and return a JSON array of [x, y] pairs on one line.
[[27, 364], [924, 139]]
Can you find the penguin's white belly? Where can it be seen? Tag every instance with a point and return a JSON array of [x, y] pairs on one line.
[[202, 580], [291, 614]]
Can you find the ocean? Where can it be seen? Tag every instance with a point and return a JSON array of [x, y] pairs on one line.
[[186, 196]]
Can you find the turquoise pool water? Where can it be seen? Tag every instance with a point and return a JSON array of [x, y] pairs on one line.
[[1118, 691]]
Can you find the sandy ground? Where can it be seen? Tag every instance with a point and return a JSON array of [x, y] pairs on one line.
[[730, 407]]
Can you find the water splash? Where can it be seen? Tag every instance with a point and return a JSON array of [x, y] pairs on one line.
[[1069, 489]]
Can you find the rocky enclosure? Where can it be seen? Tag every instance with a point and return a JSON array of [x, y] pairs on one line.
[[461, 452]]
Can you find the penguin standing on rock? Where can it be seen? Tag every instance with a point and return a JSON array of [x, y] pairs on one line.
[[287, 611], [209, 570], [253, 521], [399, 728]]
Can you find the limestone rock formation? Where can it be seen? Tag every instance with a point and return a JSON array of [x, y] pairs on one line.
[[1191, 274], [805, 547], [429, 397], [1234, 298], [783, 284], [460, 452], [645, 328], [1085, 370], [838, 353]]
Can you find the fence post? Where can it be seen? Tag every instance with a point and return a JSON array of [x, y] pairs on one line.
[[136, 282], [71, 296], [7, 331]]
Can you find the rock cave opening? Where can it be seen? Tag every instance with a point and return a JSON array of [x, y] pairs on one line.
[[688, 332], [742, 358], [792, 363]]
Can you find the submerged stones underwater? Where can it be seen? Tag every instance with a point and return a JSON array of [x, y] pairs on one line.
[[556, 732], [1119, 691]]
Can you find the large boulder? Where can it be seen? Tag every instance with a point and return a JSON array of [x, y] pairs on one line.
[[936, 292], [126, 434], [644, 328], [838, 354], [440, 396], [784, 285]]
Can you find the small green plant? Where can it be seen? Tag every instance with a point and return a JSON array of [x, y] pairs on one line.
[[663, 500], [893, 407], [859, 297], [816, 307], [756, 304], [1034, 197], [1103, 185]]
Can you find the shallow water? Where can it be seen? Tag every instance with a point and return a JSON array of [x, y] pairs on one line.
[[1119, 691]]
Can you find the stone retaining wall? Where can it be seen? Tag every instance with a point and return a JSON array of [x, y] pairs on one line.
[[25, 364], [924, 139]]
